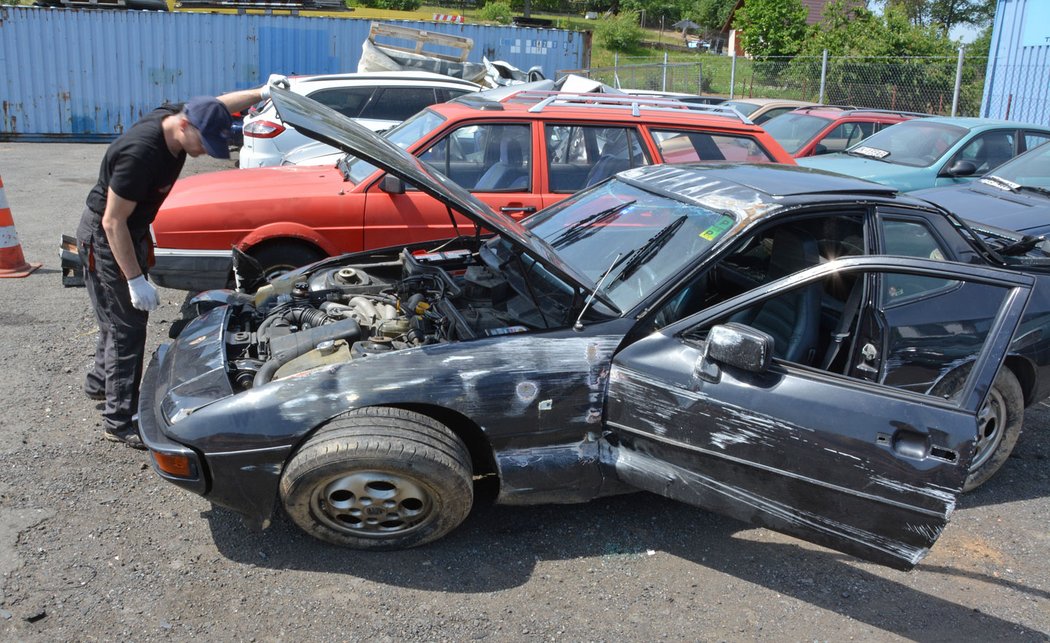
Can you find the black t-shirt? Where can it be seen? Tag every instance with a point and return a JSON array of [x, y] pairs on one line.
[[138, 166]]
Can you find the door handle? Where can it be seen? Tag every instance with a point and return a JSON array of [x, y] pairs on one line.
[[518, 208]]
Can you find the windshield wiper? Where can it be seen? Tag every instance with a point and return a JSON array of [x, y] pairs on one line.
[[582, 228], [649, 248], [1027, 243], [1034, 188]]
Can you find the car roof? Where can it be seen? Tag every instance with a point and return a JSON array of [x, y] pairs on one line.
[[384, 77], [597, 108], [836, 112], [755, 191], [974, 123], [762, 102]]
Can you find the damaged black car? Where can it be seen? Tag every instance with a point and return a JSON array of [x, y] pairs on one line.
[[803, 351]]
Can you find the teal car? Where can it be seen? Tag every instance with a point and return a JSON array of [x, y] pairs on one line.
[[933, 152]]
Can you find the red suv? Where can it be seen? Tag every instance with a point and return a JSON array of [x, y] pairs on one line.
[[823, 129], [518, 154]]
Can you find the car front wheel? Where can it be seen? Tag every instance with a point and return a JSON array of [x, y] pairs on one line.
[[379, 478], [278, 257]]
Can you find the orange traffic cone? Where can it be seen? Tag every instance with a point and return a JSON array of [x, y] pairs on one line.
[[12, 262]]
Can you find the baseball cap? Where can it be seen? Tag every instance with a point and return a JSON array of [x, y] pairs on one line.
[[213, 121]]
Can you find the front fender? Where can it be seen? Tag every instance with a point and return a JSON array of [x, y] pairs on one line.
[[288, 230]]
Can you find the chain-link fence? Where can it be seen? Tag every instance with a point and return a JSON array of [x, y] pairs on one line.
[[936, 85]]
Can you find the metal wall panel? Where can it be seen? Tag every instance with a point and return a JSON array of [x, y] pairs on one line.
[[1017, 84], [89, 74]]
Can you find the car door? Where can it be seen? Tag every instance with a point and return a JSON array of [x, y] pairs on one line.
[[866, 467], [491, 159]]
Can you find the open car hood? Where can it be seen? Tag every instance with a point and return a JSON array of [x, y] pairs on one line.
[[329, 126]]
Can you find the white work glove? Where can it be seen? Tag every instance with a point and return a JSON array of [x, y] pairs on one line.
[[143, 294], [278, 80]]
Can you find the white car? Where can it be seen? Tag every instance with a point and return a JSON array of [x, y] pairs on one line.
[[377, 100]]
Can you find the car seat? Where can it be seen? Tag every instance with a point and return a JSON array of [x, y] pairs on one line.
[[606, 166], [996, 150], [509, 173], [793, 318]]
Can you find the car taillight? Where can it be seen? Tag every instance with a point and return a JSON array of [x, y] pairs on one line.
[[263, 129]]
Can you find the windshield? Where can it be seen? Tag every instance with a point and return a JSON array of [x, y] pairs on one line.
[[793, 130], [638, 237], [915, 143], [1031, 169], [404, 135], [743, 108]]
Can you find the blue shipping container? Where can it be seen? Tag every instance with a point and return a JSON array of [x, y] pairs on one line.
[[1017, 84], [88, 74]]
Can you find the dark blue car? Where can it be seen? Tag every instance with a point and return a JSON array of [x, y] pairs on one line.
[[800, 350]]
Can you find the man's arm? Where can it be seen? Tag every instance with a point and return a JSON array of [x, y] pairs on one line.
[[245, 98], [241, 100], [115, 224]]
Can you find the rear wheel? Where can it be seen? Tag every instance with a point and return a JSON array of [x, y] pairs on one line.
[[999, 424], [379, 478], [279, 257]]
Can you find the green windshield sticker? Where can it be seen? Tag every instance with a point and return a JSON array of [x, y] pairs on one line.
[[717, 228]]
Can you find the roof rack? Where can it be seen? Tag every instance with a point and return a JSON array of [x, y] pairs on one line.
[[620, 101]]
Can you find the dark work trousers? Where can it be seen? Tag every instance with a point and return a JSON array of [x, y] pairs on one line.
[[121, 330]]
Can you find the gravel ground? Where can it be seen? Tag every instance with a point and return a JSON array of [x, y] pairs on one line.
[[94, 546]]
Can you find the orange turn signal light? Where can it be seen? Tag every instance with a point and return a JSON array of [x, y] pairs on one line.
[[175, 465]]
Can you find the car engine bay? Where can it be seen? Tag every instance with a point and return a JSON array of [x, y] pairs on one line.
[[340, 313]]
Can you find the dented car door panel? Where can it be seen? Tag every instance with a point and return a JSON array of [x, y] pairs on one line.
[[870, 470]]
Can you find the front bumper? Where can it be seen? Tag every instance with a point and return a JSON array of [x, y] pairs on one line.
[[187, 407], [193, 270]]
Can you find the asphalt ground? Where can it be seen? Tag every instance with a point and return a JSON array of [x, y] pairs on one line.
[[94, 546]]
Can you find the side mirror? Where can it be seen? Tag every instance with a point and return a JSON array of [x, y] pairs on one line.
[[734, 345], [962, 168], [392, 185], [819, 149]]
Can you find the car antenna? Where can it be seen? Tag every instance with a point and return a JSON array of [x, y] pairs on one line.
[[578, 326]]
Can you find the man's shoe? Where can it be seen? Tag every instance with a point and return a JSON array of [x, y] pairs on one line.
[[130, 437]]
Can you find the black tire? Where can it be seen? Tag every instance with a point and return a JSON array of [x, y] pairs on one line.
[[279, 257], [999, 423], [379, 478]]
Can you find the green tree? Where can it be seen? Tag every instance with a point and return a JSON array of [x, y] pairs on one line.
[[712, 14], [620, 33], [771, 27], [947, 14]]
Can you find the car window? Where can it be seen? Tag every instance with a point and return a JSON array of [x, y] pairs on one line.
[[582, 155], [348, 101], [844, 135], [744, 108], [405, 135], [773, 113], [683, 146], [1031, 168], [915, 143], [769, 254], [909, 239], [485, 157], [398, 103], [988, 151], [917, 347], [793, 131], [1035, 139]]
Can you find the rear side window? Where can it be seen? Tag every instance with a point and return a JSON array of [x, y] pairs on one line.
[[348, 101], [579, 156], [398, 103], [679, 146]]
